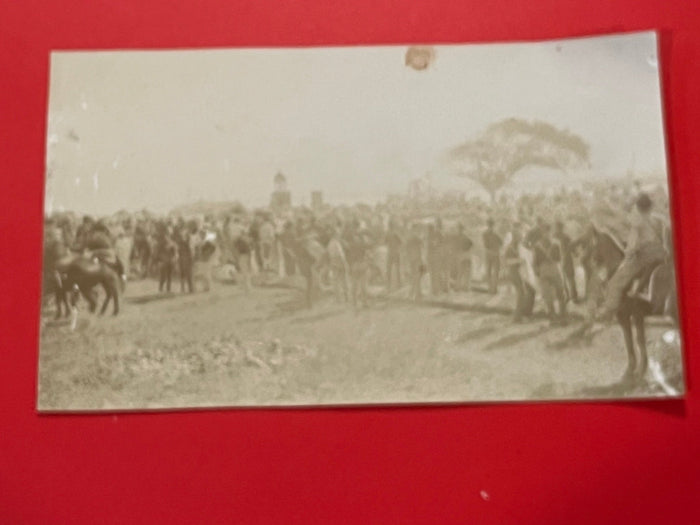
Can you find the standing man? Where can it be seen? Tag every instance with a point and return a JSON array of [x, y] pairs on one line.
[[204, 249], [338, 266], [232, 229], [444, 250], [567, 260], [434, 257], [525, 293], [254, 236], [185, 257], [533, 236], [267, 242], [357, 261], [242, 247], [142, 248], [123, 245], [492, 248], [287, 240], [414, 254], [393, 260], [547, 257], [166, 254], [303, 260], [462, 259]]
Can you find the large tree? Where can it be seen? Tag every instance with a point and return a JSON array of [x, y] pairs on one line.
[[506, 147]]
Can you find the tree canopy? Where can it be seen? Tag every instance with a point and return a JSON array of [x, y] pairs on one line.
[[494, 157]]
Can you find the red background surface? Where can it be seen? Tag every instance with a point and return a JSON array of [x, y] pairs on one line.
[[546, 463]]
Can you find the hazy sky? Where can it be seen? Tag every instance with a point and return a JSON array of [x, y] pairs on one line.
[[155, 129]]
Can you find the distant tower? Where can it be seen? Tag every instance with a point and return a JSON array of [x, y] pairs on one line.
[[280, 199], [316, 200], [280, 182]]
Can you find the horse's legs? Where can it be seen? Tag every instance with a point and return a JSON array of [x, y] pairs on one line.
[[115, 299], [90, 299], [59, 296], [108, 295], [626, 324], [65, 299], [642, 344]]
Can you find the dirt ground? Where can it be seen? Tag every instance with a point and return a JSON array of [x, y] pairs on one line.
[[229, 348]]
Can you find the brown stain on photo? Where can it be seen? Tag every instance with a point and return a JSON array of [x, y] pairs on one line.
[[420, 57]]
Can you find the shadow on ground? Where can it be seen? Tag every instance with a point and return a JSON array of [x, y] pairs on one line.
[[150, 298]]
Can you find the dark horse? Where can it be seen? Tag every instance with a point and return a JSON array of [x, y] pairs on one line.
[[70, 274], [655, 295], [83, 274]]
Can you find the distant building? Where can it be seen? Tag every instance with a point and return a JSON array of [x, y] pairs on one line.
[[316, 200], [280, 199]]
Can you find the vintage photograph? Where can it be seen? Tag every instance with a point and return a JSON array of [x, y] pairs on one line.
[[357, 225]]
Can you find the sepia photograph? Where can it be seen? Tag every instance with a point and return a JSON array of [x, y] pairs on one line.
[[395, 224]]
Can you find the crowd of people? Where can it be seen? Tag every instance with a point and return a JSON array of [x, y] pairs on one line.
[[404, 246]]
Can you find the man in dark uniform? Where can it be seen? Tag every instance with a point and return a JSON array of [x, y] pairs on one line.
[[393, 260], [534, 234], [492, 247], [567, 260], [303, 260], [462, 259], [99, 237], [185, 256], [82, 233], [141, 251], [244, 252], [166, 253]]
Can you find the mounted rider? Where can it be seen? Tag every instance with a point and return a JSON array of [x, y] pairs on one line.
[[644, 251], [94, 241]]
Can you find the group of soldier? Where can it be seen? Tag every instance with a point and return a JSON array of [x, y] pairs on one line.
[[346, 253]]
